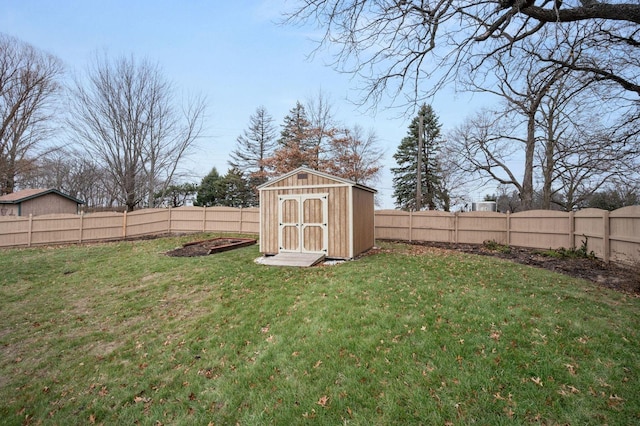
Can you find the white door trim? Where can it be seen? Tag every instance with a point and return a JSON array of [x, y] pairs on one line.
[[301, 198]]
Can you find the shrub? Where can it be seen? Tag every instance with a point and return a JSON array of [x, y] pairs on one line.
[[581, 252], [496, 246]]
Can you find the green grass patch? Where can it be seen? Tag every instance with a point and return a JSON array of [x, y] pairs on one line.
[[119, 333]]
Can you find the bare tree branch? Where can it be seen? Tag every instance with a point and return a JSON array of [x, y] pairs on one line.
[[125, 116], [410, 49], [28, 91]]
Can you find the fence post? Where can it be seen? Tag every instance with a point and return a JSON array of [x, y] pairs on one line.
[[508, 217], [240, 230], [124, 224], [204, 218], [169, 222], [572, 230], [606, 243], [455, 227], [30, 230], [410, 225], [81, 224], [375, 225]]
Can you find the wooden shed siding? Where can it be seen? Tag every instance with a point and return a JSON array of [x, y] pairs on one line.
[[269, 222], [347, 229], [337, 220], [363, 221], [48, 204], [311, 179]]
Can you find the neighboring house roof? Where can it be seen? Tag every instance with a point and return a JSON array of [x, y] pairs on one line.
[[322, 174], [29, 194]]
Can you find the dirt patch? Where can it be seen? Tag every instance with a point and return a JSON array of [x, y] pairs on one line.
[[207, 247], [617, 277]]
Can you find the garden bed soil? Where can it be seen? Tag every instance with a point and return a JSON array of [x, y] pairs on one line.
[[207, 247], [618, 277]]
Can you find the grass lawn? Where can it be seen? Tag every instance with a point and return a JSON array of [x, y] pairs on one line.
[[118, 333]]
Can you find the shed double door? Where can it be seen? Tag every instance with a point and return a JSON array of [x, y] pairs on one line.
[[302, 223]]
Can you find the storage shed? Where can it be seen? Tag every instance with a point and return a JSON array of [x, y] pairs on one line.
[[38, 202], [307, 211]]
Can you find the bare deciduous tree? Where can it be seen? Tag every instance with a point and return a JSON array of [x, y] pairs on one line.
[[125, 114], [74, 173], [28, 91], [401, 46], [320, 112], [485, 145], [550, 129], [355, 156]]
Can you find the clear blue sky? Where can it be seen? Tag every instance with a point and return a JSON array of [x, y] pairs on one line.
[[232, 52]]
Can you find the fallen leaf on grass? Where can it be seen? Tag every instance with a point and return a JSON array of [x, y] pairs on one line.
[[323, 401], [614, 400], [537, 381], [571, 389]]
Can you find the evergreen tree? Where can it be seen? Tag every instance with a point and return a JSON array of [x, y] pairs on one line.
[[255, 144], [433, 194], [211, 190], [236, 190], [176, 195], [296, 146]]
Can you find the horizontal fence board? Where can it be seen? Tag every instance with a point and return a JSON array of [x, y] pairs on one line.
[[147, 222], [14, 231], [609, 235], [104, 226], [58, 228]]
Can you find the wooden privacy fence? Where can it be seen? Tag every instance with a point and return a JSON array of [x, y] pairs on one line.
[[59, 229], [610, 235]]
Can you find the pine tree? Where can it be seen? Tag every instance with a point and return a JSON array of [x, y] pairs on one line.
[[255, 145], [210, 191], [296, 146], [236, 190], [433, 194]]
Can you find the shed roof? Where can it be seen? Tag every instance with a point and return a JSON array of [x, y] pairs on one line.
[[29, 194], [318, 173]]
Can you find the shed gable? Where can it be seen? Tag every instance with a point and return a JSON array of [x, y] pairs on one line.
[[302, 178]]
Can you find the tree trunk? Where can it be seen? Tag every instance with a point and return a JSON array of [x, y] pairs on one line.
[[526, 194], [547, 167]]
